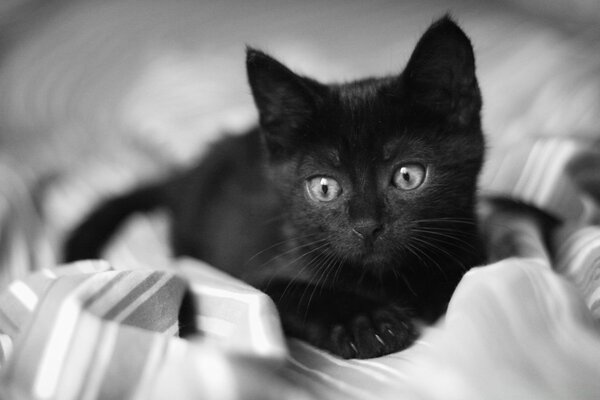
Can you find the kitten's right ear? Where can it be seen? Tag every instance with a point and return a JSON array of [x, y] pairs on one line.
[[285, 100], [440, 74]]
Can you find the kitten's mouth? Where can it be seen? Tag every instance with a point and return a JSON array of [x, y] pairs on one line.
[[369, 255], [373, 258], [365, 254]]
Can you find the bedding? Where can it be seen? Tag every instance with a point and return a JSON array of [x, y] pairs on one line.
[[80, 121], [525, 327]]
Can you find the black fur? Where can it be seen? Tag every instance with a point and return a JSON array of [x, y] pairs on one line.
[[352, 274]]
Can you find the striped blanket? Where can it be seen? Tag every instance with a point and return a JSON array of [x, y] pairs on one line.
[[524, 327]]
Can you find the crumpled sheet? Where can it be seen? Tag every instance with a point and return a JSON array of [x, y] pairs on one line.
[[524, 327]]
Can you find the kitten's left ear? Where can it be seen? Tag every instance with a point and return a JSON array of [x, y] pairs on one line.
[[440, 74], [285, 101]]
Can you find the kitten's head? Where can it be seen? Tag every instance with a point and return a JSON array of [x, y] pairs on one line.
[[378, 170]]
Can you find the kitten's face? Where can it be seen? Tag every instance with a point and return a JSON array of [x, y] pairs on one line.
[[380, 170]]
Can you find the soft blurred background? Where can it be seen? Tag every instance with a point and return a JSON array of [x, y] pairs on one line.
[[101, 94], [96, 96]]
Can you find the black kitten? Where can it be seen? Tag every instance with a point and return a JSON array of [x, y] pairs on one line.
[[352, 205]]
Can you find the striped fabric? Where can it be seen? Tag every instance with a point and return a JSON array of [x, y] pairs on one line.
[[87, 331], [536, 171], [578, 259], [526, 327]]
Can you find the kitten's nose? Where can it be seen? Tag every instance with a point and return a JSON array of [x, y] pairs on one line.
[[367, 229]]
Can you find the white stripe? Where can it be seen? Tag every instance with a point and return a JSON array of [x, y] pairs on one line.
[[114, 295], [155, 361], [142, 298], [553, 171], [48, 273], [98, 367], [581, 259], [24, 294], [173, 330], [539, 172], [6, 345], [57, 344], [524, 174], [593, 297], [572, 246], [81, 349], [564, 243], [259, 335]]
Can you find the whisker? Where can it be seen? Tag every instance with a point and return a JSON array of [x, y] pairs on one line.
[[450, 230], [304, 267], [327, 262], [332, 262], [338, 268], [444, 235], [289, 240], [361, 277], [311, 284], [273, 276], [422, 251], [320, 272], [436, 248], [302, 246], [467, 221], [399, 274]]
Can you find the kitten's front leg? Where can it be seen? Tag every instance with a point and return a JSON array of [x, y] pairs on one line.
[[343, 323]]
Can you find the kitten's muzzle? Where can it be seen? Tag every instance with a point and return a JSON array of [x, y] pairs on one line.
[[367, 230]]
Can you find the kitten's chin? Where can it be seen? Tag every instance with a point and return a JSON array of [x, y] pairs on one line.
[[374, 259], [369, 257]]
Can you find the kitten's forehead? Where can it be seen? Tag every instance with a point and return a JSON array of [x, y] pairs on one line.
[[361, 119], [371, 122], [390, 149], [333, 157], [367, 102], [330, 156]]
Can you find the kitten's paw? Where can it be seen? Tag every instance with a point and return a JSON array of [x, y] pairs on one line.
[[367, 335], [344, 324]]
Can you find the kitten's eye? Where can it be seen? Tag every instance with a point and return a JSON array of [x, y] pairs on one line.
[[321, 188], [409, 176]]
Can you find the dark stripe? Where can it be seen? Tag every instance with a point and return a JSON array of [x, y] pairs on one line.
[[8, 321], [161, 310], [104, 289], [136, 292]]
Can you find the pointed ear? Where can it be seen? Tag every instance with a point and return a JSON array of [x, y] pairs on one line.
[[285, 100], [440, 74]]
